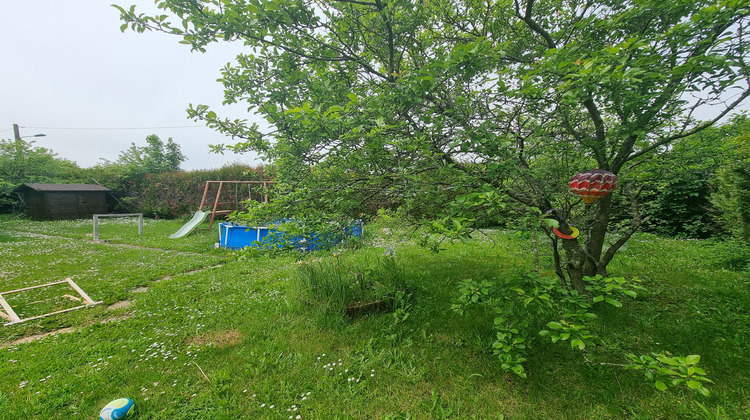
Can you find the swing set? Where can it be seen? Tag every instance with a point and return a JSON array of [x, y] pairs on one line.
[[225, 202]]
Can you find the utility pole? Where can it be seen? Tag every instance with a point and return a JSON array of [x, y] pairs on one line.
[[17, 134], [18, 170], [19, 143]]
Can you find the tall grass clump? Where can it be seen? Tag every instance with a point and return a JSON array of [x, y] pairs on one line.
[[349, 283]]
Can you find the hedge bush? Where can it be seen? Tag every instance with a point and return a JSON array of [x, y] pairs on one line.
[[175, 194]]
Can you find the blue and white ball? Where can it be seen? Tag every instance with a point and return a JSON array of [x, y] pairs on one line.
[[117, 409]]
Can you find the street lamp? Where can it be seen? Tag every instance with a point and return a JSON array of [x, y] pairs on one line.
[[17, 134]]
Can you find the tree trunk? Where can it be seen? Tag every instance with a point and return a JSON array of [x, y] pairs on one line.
[[585, 260], [576, 260], [595, 240]]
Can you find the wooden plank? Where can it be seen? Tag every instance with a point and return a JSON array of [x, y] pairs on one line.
[[8, 310], [11, 315], [205, 192], [80, 291], [219, 190], [33, 287], [46, 315], [62, 205], [67, 280], [91, 202], [216, 204]]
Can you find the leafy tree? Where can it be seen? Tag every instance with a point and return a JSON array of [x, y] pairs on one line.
[[21, 162], [682, 186], [155, 157], [732, 194], [683, 208], [403, 100]]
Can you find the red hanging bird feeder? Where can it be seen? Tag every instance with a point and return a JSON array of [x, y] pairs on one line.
[[593, 184]]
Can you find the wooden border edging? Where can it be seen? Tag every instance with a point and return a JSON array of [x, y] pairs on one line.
[[11, 315]]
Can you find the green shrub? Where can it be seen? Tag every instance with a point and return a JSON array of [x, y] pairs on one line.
[[732, 197], [530, 309], [682, 207]]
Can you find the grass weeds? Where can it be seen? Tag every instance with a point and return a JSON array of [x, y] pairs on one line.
[[349, 283], [214, 337]]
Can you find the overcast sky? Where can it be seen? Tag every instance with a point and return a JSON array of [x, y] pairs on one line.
[[69, 72]]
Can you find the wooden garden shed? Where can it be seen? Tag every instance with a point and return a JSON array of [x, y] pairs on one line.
[[63, 201]]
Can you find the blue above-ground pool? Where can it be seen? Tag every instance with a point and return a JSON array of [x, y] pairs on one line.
[[236, 236]]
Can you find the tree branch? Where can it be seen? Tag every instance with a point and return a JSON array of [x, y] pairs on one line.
[[363, 3], [695, 130], [634, 226], [596, 118], [526, 17]]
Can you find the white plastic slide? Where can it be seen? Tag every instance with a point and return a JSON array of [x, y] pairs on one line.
[[198, 217]]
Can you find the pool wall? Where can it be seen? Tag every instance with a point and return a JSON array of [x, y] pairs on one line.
[[235, 236]]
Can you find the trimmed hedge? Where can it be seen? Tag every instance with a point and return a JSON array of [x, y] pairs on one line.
[[175, 194]]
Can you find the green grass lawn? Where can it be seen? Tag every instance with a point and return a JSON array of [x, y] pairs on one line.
[[208, 335]]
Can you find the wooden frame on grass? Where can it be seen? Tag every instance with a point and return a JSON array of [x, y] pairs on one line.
[[11, 315]]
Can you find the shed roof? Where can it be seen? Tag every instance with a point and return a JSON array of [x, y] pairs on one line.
[[62, 187]]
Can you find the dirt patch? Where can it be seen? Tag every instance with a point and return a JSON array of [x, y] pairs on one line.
[[36, 337], [31, 338], [218, 338], [116, 318], [118, 305]]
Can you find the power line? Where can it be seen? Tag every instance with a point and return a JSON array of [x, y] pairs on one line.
[[112, 128]]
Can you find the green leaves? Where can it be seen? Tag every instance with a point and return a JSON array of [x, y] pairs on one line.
[[693, 359], [613, 302], [21, 161], [156, 157], [564, 330], [551, 222], [446, 109], [604, 289], [472, 292], [665, 370], [524, 303], [555, 326]]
